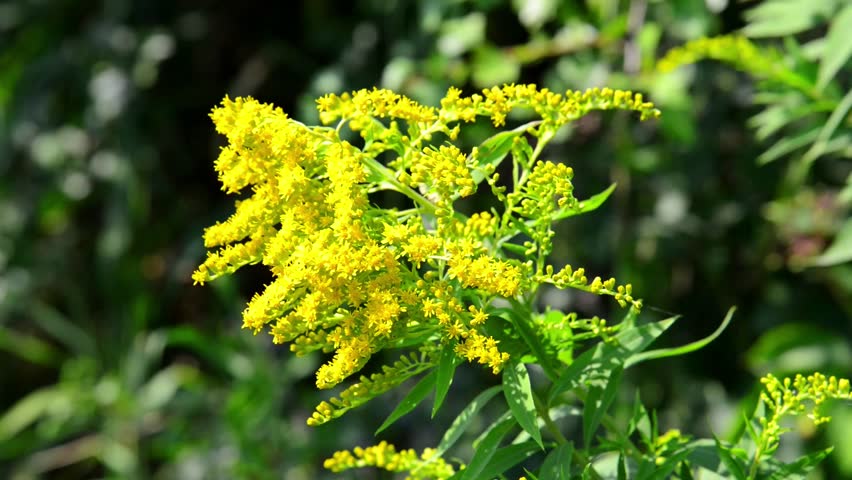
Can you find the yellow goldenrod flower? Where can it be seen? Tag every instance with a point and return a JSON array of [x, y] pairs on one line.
[[350, 278]]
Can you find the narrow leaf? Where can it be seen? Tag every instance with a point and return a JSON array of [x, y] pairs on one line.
[[598, 401], [493, 150], [684, 349], [622, 467], [585, 206], [446, 368], [834, 120], [531, 338], [839, 251], [507, 457], [414, 397], [837, 48], [605, 357], [28, 347], [663, 472], [518, 393], [639, 415], [461, 422], [702, 453], [786, 145], [485, 450], [735, 467], [777, 18], [798, 469], [557, 464], [29, 410]]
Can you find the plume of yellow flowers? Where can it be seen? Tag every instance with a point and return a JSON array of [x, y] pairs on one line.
[[386, 457], [793, 396], [351, 278]]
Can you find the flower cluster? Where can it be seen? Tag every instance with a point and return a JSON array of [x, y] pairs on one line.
[[736, 50], [385, 456], [554, 108], [792, 397], [367, 388], [351, 279]]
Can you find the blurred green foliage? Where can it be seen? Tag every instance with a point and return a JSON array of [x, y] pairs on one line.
[[114, 365]]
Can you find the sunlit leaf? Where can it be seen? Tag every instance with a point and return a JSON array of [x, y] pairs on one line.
[[485, 449], [464, 419], [557, 464], [507, 457], [838, 47], [604, 357], [777, 18], [518, 393], [446, 368], [414, 397], [839, 251]]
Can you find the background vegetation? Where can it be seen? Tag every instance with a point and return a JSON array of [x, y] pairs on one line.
[[114, 365]]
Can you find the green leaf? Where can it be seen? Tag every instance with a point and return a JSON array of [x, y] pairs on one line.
[[781, 348], [622, 467], [792, 108], [798, 469], [493, 66], [485, 449], [837, 48], [446, 368], [840, 250], [164, 385], [605, 357], [684, 349], [702, 453], [774, 117], [786, 145], [414, 397], [63, 330], [518, 393], [557, 464], [28, 347], [834, 121], [461, 422], [735, 466], [531, 338], [533, 15], [458, 35], [638, 418], [493, 150], [777, 18], [601, 394], [30, 409], [837, 435], [585, 206], [664, 470], [685, 472], [507, 457]]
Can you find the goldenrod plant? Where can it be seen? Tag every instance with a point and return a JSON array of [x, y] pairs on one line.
[[352, 278]]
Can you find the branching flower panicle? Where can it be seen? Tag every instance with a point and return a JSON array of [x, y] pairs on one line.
[[796, 396], [349, 278], [385, 456]]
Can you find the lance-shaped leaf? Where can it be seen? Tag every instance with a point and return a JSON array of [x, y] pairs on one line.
[[518, 393], [446, 368], [461, 422], [414, 397], [604, 358], [493, 150]]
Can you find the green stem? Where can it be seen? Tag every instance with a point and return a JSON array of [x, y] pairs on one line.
[[544, 413], [388, 177]]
